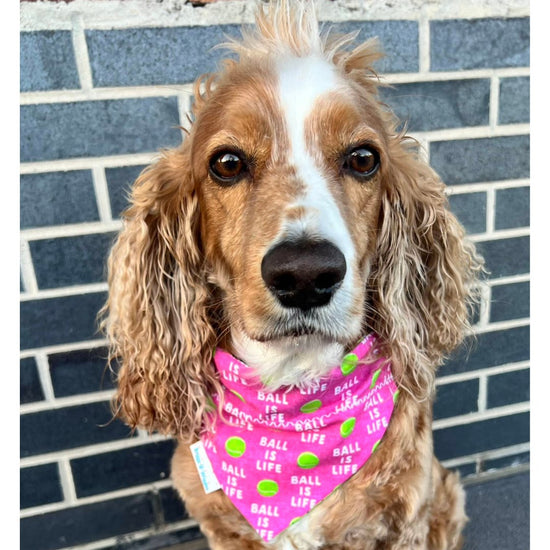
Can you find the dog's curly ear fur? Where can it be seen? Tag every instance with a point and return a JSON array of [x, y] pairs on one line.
[[424, 273], [156, 316]]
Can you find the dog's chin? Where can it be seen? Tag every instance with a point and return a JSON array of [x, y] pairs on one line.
[[295, 357]]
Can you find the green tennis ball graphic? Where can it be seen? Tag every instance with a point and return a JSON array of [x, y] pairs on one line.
[[375, 446], [311, 406], [395, 396], [295, 520], [235, 447], [347, 427], [349, 363], [237, 394], [267, 488], [308, 460], [375, 378]]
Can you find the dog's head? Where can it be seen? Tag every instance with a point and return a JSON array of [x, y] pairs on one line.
[[293, 219]]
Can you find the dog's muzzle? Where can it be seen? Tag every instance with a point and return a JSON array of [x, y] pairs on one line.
[[303, 274]]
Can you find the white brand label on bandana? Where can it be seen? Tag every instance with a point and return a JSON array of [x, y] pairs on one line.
[[204, 467]]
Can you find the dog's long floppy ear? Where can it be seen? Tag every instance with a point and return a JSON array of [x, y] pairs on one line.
[[156, 316], [423, 279]]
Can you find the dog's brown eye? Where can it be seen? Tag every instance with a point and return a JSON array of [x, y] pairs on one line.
[[362, 161], [227, 167]]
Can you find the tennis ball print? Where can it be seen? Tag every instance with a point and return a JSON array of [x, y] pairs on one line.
[[238, 395], [395, 396], [375, 378], [267, 488], [349, 363], [375, 446], [311, 406], [235, 447], [347, 427], [308, 460]]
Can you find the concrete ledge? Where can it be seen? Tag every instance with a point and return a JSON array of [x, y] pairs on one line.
[[119, 14]]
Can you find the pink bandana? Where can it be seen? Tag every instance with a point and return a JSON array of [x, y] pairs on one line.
[[280, 453]]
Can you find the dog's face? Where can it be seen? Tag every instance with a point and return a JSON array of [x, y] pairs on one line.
[[289, 160], [297, 196]]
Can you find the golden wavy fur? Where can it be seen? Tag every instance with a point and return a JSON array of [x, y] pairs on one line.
[[184, 277]]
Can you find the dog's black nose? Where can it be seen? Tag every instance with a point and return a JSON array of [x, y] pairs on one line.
[[304, 274]]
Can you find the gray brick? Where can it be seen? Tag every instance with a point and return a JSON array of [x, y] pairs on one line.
[[39, 485], [56, 198], [69, 427], [508, 387], [437, 105], [119, 183], [471, 210], [514, 100], [51, 321], [456, 399], [490, 349], [475, 43], [47, 61], [172, 505], [512, 208], [481, 159], [510, 301], [80, 371], [484, 435], [96, 128], [398, 41], [77, 525], [124, 468], [30, 388], [70, 261], [506, 257], [142, 56]]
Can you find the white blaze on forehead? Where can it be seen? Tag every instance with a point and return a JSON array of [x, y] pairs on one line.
[[302, 81]]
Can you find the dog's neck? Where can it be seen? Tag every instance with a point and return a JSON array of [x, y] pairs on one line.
[[294, 362]]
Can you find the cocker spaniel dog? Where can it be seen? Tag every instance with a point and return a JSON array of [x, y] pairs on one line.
[[285, 284]]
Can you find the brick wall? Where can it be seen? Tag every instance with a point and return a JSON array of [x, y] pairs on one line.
[[104, 86]]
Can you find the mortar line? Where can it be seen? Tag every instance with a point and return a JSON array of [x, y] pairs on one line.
[[461, 188], [71, 230], [67, 481], [485, 307], [501, 234], [490, 414], [81, 52], [489, 371], [102, 497], [106, 93], [43, 366], [64, 348], [423, 42], [102, 194], [482, 397], [64, 292], [90, 450], [87, 163], [494, 101], [28, 274], [65, 402], [487, 455], [474, 132]]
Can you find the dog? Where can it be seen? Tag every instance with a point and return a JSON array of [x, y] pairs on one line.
[[294, 237]]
